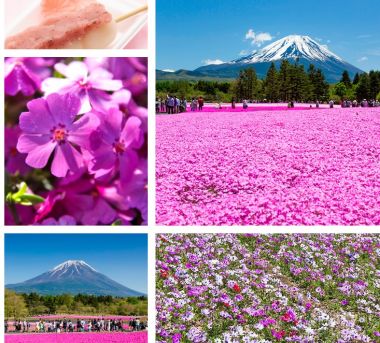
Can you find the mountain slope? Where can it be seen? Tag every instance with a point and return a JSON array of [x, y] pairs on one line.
[[295, 47], [73, 277]]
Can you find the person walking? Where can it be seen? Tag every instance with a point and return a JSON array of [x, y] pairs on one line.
[[200, 103], [170, 105]]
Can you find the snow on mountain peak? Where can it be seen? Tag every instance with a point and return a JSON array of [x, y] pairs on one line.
[[75, 264], [292, 46]]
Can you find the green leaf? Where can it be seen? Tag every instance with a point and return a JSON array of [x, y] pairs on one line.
[[29, 200], [116, 222]]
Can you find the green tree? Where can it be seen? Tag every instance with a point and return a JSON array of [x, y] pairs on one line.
[[374, 83], [346, 79], [284, 80], [340, 90], [14, 305], [356, 79], [271, 84], [320, 86], [246, 85], [363, 88]]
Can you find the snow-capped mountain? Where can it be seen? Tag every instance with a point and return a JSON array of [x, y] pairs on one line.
[[291, 47], [73, 276]]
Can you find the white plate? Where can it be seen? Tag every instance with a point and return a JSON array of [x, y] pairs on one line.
[[122, 33]]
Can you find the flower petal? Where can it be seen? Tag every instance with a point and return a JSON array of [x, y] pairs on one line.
[[38, 120], [131, 132], [66, 158], [82, 129], [38, 157], [63, 108], [27, 143], [55, 85]]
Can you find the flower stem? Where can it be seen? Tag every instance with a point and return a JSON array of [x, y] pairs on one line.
[[13, 209]]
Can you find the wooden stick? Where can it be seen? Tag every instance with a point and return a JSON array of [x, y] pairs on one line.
[[132, 13]]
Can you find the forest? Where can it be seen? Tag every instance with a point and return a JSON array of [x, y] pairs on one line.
[[26, 305], [291, 82]]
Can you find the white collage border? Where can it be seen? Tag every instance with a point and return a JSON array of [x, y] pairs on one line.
[[151, 230]]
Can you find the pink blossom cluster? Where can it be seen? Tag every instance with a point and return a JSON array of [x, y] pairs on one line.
[[74, 337], [76, 141], [267, 288], [303, 167]]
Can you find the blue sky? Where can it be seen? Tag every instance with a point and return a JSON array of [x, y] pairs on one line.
[[123, 258], [191, 32]]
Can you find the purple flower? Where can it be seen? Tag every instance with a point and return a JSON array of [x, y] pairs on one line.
[[64, 220], [24, 75], [14, 161], [101, 213], [131, 70], [114, 145], [49, 126], [89, 87], [176, 338]]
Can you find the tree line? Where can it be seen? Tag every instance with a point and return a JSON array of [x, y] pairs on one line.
[[22, 305], [290, 82]]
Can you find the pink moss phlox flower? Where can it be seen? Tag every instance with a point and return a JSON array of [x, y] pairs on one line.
[[102, 212], [114, 144], [14, 161], [24, 75], [131, 70], [49, 126], [128, 106], [73, 199], [90, 87], [64, 220]]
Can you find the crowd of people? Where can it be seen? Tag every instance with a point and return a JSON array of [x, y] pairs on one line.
[[172, 105], [363, 103], [80, 325]]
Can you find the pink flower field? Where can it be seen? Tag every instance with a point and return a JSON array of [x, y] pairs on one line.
[[119, 337], [305, 167]]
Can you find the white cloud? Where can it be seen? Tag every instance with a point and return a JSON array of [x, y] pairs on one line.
[[216, 61], [328, 41], [363, 36], [169, 70], [243, 52], [362, 59], [258, 38]]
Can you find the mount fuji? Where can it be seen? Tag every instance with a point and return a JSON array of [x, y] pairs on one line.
[[293, 48], [73, 277]]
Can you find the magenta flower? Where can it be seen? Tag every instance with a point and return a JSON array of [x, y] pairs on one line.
[[113, 145], [90, 87], [24, 75], [14, 161], [49, 126]]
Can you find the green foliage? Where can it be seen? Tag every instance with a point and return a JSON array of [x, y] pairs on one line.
[[271, 84], [289, 83], [246, 85], [363, 88], [346, 79], [21, 197], [340, 90], [22, 305], [14, 305], [209, 90]]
